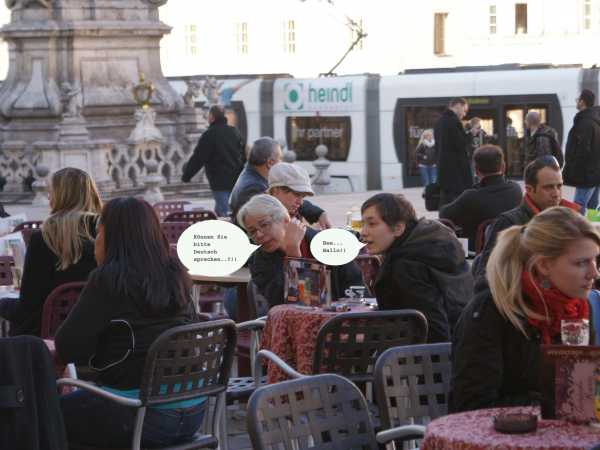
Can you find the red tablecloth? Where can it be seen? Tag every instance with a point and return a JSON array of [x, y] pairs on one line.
[[291, 334], [474, 430], [60, 370]]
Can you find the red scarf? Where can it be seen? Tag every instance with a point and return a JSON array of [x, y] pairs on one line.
[[557, 307], [575, 207]]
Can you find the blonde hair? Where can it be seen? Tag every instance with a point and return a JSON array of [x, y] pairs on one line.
[[76, 199], [425, 133], [474, 121], [546, 236], [261, 206]]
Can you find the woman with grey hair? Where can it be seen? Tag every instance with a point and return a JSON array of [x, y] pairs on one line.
[[269, 225]]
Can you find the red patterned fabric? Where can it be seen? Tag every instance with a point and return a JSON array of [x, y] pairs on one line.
[[60, 370], [291, 334], [474, 430]]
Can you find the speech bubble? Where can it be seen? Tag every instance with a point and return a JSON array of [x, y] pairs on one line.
[[214, 248], [335, 247]]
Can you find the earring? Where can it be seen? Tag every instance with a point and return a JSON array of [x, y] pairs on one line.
[[545, 284]]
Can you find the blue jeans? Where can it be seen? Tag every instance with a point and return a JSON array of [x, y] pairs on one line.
[[587, 198], [94, 420], [230, 302], [428, 175], [221, 202]]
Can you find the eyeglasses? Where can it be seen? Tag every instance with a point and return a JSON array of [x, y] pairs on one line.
[[264, 227], [540, 163]]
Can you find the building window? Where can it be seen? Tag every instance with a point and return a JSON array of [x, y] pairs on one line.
[[521, 18], [189, 39], [353, 26], [590, 14], [241, 37], [492, 20], [440, 34], [288, 36]]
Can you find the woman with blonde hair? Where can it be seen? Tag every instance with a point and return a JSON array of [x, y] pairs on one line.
[[538, 275], [426, 157], [62, 252]]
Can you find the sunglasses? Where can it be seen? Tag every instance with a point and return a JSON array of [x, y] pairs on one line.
[[540, 163]]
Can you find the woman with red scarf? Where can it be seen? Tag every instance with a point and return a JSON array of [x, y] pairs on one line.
[[537, 275]]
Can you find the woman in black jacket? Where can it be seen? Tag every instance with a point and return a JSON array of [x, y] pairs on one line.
[[539, 274], [424, 266], [62, 252], [426, 157], [139, 291]]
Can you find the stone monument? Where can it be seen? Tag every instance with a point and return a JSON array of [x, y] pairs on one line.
[[67, 99]]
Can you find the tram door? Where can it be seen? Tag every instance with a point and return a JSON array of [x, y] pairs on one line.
[[516, 136]]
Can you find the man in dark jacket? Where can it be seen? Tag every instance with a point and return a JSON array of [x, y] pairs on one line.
[[542, 140], [267, 222], [424, 266], [582, 158], [222, 151], [254, 180], [489, 198], [451, 140], [543, 186]]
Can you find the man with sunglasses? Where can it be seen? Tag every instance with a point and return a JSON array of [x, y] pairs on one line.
[[582, 156], [543, 186]]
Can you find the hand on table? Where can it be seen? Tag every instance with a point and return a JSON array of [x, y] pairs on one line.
[[324, 221]]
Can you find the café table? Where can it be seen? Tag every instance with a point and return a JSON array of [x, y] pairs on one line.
[[291, 334], [474, 430]]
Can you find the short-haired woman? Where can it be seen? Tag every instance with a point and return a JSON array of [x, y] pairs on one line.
[[424, 266], [139, 291], [268, 224], [62, 252], [538, 274], [426, 157]]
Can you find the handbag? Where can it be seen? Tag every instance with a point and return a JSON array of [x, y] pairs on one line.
[[431, 194]]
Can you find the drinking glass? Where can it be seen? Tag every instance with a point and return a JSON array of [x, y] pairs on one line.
[[575, 331], [354, 218]]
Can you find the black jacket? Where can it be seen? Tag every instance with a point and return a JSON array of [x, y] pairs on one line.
[[423, 150], [251, 183], [40, 277], [113, 334], [221, 149], [425, 269], [520, 215], [542, 142], [489, 198], [475, 141], [493, 363], [266, 270], [36, 422], [582, 158], [453, 165]]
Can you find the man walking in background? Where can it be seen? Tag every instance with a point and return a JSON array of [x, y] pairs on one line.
[[582, 158], [221, 149], [451, 140], [542, 140]]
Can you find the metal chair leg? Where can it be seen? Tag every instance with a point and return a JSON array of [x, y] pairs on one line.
[[224, 439]]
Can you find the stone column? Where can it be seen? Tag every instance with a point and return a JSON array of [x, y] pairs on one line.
[[321, 179], [40, 186]]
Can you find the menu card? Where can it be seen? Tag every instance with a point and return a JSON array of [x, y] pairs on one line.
[[570, 382], [304, 282]]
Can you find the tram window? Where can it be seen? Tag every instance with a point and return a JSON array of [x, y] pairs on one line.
[[514, 132], [306, 133], [521, 18]]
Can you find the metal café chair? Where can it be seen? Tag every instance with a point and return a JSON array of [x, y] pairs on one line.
[[411, 388], [6, 279], [58, 305], [480, 236], [321, 412], [165, 208], [34, 224], [349, 345], [174, 230], [26, 234], [183, 363], [190, 216]]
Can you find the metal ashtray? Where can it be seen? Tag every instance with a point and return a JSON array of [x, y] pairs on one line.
[[336, 307], [515, 423]]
